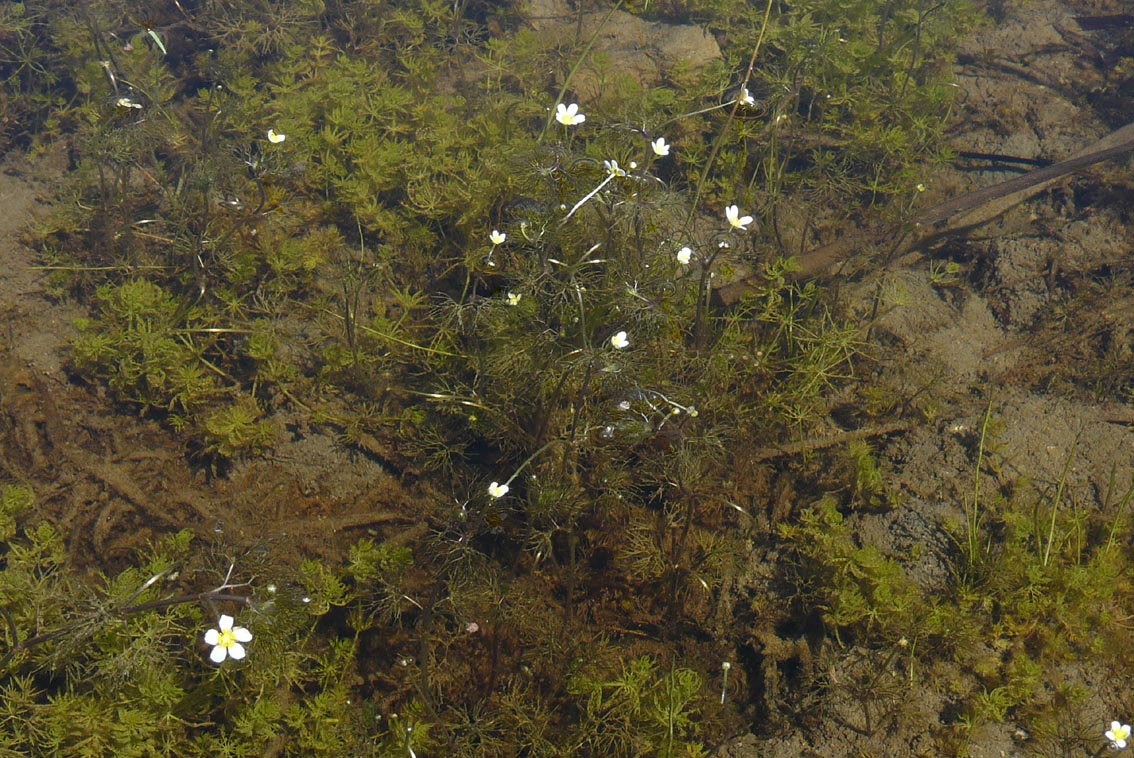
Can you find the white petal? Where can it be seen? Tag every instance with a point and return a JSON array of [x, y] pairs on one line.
[[225, 623], [211, 637], [241, 634], [236, 651], [218, 655]]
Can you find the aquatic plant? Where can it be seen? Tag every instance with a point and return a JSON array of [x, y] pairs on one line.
[[384, 217]]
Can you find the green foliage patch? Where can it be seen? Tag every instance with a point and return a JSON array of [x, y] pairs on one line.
[[366, 214]]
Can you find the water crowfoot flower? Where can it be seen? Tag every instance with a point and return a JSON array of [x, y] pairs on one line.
[[660, 148], [735, 220], [619, 341], [569, 115], [1118, 734], [497, 490], [514, 298], [746, 98], [276, 137], [684, 255], [612, 170], [496, 238], [226, 640]]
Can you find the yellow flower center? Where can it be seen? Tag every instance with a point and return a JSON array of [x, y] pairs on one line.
[[226, 639]]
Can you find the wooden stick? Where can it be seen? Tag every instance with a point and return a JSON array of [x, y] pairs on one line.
[[955, 216]]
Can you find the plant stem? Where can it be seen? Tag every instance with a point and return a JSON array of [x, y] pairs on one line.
[[728, 122], [1055, 503], [578, 63], [973, 515]]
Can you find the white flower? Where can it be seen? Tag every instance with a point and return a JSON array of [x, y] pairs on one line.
[[497, 237], [735, 220], [613, 169], [1118, 734], [276, 137], [660, 148], [619, 341], [684, 255], [514, 298], [125, 102], [569, 115], [226, 640], [746, 98], [498, 490]]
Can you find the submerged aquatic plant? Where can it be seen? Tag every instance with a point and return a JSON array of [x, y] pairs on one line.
[[339, 274]]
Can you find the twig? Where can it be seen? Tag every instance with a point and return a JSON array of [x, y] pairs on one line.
[[819, 443]]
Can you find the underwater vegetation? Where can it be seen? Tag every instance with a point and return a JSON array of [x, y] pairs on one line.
[[399, 220]]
